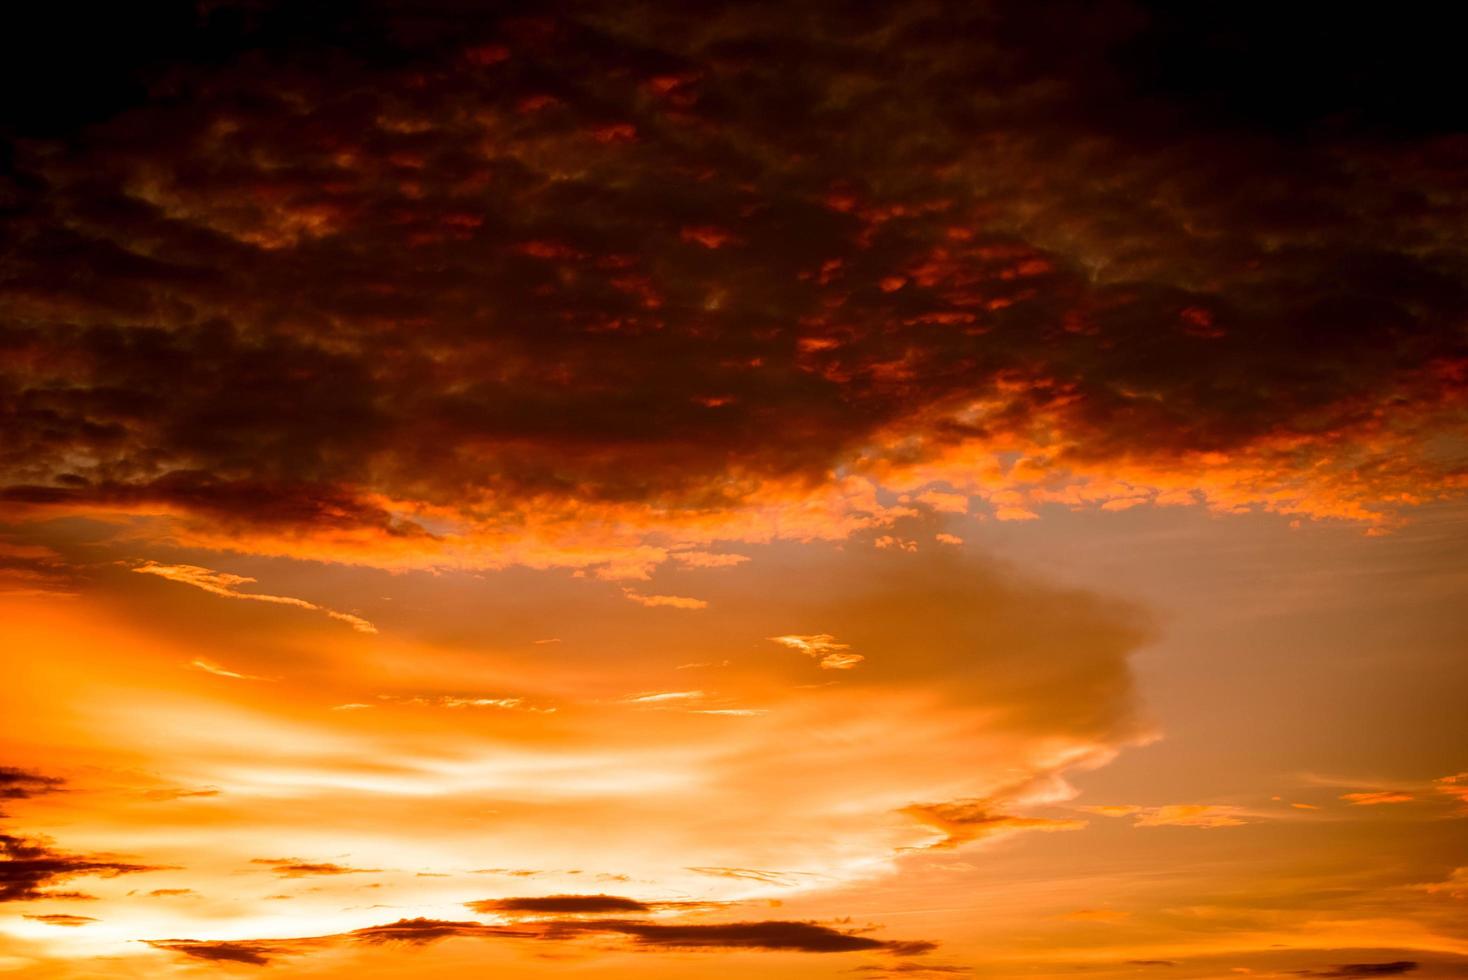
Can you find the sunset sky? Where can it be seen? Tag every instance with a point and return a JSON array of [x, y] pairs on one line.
[[650, 490]]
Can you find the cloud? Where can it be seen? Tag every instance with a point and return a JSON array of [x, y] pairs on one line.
[[180, 793], [942, 254], [31, 865], [1204, 815], [1455, 786], [62, 919], [1347, 970], [805, 937], [784, 879], [297, 868], [823, 647], [965, 821], [252, 953], [1454, 886], [33, 570], [450, 701], [708, 559], [22, 784], [663, 697], [1376, 798], [553, 905], [776, 935], [912, 969], [665, 601], [566, 904], [219, 670], [227, 585]]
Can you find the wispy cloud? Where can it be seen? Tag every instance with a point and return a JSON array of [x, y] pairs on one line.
[[824, 648], [1376, 797], [227, 585], [663, 697], [1203, 815], [219, 670], [298, 868], [964, 821], [665, 601]]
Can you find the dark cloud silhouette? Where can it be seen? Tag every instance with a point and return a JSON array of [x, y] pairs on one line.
[[29, 865], [253, 953], [579, 905], [805, 937], [422, 931], [911, 969], [1345, 970], [646, 256], [61, 919], [562, 903], [22, 784], [297, 868]]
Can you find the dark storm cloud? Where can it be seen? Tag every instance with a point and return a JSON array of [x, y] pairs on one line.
[[30, 865], [643, 254]]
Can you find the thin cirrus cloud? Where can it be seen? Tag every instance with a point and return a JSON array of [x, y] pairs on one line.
[[219, 670], [825, 649], [963, 822], [664, 601], [227, 585], [1201, 815], [1377, 797]]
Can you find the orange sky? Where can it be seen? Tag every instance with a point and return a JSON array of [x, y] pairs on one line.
[[959, 490]]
